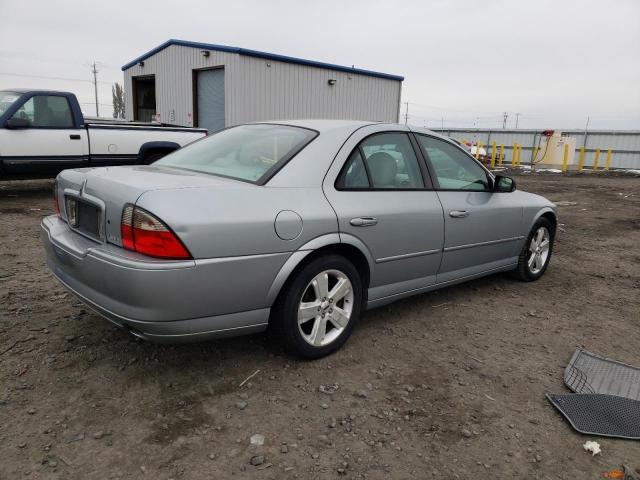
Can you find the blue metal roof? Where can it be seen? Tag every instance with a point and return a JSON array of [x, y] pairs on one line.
[[258, 54]]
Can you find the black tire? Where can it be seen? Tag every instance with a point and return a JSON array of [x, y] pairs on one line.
[[524, 272], [285, 312]]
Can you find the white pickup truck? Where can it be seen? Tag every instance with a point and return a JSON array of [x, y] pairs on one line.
[[43, 132]]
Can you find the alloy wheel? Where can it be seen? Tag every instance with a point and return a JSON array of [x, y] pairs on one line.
[[325, 307], [539, 250]]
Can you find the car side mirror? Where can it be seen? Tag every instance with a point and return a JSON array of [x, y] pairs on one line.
[[504, 184], [17, 122]]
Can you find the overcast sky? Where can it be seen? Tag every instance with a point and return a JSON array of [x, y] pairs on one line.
[[464, 61]]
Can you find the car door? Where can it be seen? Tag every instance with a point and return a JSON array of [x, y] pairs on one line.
[[383, 198], [50, 141], [482, 227]]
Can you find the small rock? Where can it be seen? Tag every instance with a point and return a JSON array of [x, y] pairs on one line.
[[324, 406], [31, 411], [284, 449], [212, 456], [538, 458], [361, 394], [329, 389], [465, 433], [98, 435], [324, 439], [257, 439], [257, 460], [22, 445], [241, 405]]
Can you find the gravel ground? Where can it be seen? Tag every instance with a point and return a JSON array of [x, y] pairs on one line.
[[448, 384]]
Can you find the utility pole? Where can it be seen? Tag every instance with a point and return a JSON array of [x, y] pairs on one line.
[[95, 86], [406, 112], [505, 115], [586, 127], [517, 118]]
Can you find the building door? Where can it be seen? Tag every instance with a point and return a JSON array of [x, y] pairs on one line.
[[144, 98], [210, 99]]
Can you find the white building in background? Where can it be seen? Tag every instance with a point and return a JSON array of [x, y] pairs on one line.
[[215, 86]]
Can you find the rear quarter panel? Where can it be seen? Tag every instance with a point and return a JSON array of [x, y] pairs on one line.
[[227, 222]]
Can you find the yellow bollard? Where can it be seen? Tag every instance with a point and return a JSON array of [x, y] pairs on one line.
[[478, 147], [493, 154], [607, 162], [565, 159], [515, 154], [501, 157], [519, 154], [595, 160], [581, 160]]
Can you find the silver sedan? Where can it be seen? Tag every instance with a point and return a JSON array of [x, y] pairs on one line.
[[296, 225]]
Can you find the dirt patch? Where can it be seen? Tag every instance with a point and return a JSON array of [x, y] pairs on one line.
[[448, 384]]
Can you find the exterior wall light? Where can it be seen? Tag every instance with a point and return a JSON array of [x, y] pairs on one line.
[[332, 81], [141, 64], [205, 53]]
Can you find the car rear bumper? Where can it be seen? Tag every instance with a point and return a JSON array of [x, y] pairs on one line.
[[158, 300]]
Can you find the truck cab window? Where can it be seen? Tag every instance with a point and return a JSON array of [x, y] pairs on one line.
[[47, 111]]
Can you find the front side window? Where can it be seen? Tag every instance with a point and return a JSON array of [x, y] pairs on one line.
[[250, 153], [48, 111], [382, 161], [6, 100], [453, 168]]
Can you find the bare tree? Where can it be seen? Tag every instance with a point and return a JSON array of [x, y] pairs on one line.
[[117, 93]]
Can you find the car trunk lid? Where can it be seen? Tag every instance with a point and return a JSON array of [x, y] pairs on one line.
[[91, 200]]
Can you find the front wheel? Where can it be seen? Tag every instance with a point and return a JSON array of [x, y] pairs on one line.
[[319, 306], [536, 252]]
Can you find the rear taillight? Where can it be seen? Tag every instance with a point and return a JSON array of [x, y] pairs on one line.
[[144, 233], [56, 205]]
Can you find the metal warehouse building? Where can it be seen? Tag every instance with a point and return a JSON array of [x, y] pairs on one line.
[[215, 86]]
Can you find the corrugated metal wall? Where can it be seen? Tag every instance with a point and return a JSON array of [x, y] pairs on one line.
[[259, 89], [625, 144]]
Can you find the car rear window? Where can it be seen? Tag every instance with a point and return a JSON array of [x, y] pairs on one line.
[[251, 153]]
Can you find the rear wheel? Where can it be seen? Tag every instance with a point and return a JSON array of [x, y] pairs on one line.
[[536, 252], [319, 306]]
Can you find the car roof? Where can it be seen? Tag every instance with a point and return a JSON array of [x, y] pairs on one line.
[[321, 125], [34, 90]]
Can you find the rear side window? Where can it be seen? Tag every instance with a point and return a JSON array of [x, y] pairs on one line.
[[384, 161], [46, 111]]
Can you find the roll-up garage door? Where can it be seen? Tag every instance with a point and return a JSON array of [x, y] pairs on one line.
[[211, 99]]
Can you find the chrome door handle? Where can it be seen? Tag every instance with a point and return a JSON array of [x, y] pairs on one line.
[[363, 221], [458, 213]]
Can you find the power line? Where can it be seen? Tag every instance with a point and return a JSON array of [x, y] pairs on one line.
[[68, 79]]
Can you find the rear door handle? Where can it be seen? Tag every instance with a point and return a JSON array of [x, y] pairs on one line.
[[363, 221], [458, 213], [74, 136]]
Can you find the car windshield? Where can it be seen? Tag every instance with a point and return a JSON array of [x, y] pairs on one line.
[[7, 99], [250, 153]]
